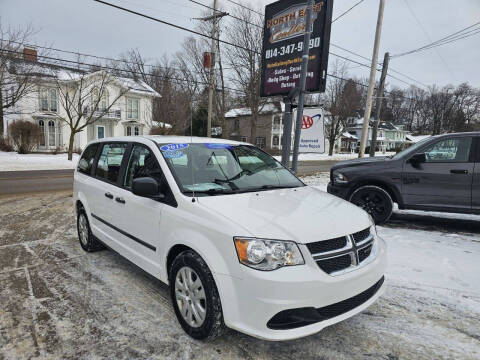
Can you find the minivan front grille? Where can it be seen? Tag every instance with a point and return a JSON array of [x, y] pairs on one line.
[[338, 255], [327, 245]]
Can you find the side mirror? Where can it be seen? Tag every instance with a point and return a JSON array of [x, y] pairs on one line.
[[418, 159], [147, 187]]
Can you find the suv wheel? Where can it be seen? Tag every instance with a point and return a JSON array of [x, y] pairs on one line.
[[88, 242], [195, 297], [374, 200]]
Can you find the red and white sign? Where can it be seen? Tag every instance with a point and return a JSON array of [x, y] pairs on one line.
[[312, 136]]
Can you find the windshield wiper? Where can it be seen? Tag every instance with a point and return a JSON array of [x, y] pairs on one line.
[[235, 177], [211, 191], [268, 187]]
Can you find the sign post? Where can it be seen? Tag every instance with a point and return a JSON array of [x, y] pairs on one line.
[[291, 64]]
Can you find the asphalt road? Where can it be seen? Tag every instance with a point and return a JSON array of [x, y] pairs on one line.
[[20, 182]]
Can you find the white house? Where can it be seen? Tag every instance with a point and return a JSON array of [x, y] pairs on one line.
[[389, 136], [131, 114]]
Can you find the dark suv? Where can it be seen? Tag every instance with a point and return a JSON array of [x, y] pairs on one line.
[[440, 173]]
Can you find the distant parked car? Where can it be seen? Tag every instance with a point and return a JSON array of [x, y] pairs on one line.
[[440, 173]]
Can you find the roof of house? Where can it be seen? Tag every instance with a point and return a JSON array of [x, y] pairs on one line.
[[349, 136], [268, 108], [385, 125], [66, 74]]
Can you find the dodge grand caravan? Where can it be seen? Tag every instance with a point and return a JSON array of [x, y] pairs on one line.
[[241, 241]]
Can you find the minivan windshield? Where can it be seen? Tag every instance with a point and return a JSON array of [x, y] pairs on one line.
[[214, 169]]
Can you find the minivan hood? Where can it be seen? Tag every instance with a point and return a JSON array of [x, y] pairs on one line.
[[303, 214]]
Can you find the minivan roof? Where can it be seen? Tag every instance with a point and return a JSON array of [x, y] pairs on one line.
[[171, 139]]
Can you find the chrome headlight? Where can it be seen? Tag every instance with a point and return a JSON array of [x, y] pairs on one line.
[[339, 178], [263, 254]]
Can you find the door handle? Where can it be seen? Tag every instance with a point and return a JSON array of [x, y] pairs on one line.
[[458, 171], [120, 200], [109, 195]]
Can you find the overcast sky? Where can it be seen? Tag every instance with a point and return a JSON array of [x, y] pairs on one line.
[[89, 27]]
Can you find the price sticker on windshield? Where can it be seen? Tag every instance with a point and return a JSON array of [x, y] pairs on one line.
[[173, 147]]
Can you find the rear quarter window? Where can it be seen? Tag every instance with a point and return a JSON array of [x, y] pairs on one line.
[[86, 161]]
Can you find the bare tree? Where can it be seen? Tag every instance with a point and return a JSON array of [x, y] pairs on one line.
[[83, 97], [17, 76], [342, 98], [246, 64]]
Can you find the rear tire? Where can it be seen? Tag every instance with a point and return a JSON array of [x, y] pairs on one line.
[[88, 242], [195, 297], [374, 200]]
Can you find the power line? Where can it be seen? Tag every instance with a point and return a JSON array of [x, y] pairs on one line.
[[460, 34], [173, 25], [103, 67], [245, 7], [196, 32], [428, 37], [347, 11]]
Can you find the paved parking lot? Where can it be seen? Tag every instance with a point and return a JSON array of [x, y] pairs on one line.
[[59, 302]]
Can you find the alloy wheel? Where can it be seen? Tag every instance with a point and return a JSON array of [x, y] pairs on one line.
[[83, 229], [190, 296]]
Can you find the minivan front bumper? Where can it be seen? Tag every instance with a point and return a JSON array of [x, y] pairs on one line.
[[298, 301]]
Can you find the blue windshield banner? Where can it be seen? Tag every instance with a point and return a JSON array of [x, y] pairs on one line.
[[218, 146]]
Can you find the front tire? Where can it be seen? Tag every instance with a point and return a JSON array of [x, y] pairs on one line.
[[195, 297], [374, 200], [88, 242]]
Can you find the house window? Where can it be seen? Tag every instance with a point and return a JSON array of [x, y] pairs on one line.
[[277, 119], [132, 108], [243, 138], [236, 125], [136, 131], [51, 133], [260, 142], [129, 131], [41, 123], [100, 131], [275, 140], [48, 99], [102, 99]]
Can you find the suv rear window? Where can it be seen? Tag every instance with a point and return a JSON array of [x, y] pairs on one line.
[[86, 161], [109, 162]]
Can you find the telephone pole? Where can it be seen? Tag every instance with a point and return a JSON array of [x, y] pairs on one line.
[[381, 88], [371, 82]]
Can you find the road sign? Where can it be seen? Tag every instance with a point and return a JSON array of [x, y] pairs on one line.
[[283, 46], [312, 135]]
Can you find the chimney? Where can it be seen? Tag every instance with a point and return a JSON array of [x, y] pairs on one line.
[[30, 54]]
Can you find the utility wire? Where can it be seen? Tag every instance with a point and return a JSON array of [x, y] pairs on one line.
[[428, 37], [458, 35], [245, 7], [173, 25], [347, 11], [103, 67], [190, 30], [332, 44]]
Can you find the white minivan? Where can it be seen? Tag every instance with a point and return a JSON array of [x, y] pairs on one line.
[[241, 241]]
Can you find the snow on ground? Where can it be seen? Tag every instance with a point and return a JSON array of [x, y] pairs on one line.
[[12, 161], [60, 302], [338, 157]]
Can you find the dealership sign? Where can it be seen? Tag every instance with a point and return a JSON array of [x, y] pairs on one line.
[[283, 46], [312, 135]]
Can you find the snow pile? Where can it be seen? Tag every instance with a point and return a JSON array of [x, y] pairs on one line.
[[12, 161]]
